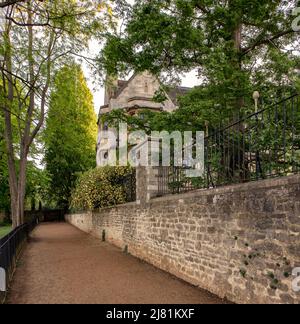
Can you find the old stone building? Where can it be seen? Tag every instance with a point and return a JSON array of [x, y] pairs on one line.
[[133, 95]]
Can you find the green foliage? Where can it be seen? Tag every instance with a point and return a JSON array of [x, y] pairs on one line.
[[70, 133], [4, 230], [4, 177], [35, 176], [4, 185], [37, 39], [298, 84], [37, 187], [236, 46], [197, 111], [227, 42], [100, 187]]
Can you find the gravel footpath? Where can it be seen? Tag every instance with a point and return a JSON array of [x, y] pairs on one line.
[[62, 265]]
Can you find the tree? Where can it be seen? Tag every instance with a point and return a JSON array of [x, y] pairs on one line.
[[70, 134], [4, 176], [197, 110], [7, 3], [37, 38], [4, 186], [37, 186], [237, 46]]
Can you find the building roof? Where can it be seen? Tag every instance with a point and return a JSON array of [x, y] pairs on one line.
[[122, 84], [176, 92], [173, 93]]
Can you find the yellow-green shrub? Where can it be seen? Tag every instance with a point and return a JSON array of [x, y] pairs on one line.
[[100, 187]]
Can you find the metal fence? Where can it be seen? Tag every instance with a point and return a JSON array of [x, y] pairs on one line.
[[129, 185], [11, 244], [263, 145]]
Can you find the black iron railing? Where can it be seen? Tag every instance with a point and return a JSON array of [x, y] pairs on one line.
[[129, 185], [11, 244], [263, 145]]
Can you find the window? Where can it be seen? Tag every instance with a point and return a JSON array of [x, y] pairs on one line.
[[146, 88], [105, 126]]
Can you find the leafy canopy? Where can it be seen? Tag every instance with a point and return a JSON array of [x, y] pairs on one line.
[[236, 46]]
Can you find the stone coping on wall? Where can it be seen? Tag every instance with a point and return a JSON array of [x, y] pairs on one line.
[[242, 187]]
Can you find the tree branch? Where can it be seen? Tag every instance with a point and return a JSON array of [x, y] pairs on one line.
[[266, 41], [7, 3]]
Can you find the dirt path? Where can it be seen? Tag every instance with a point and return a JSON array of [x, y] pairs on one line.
[[62, 265]]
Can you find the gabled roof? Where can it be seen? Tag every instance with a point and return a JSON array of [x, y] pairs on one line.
[[173, 93], [122, 84]]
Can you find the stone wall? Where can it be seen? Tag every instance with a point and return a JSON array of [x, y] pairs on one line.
[[240, 242]]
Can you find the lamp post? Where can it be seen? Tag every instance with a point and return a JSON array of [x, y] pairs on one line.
[[256, 96]]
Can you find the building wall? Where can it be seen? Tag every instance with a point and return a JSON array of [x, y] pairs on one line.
[[137, 88], [239, 242], [136, 94]]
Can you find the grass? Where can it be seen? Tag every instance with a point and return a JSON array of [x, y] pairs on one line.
[[4, 230]]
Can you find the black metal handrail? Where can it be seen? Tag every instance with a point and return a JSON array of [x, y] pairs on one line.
[[263, 145], [11, 244], [254, 115]]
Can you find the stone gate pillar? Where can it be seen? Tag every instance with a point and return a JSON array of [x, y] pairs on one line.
[[146, 172]]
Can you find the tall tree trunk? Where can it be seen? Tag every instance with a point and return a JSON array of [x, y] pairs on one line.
[[22, 188], [236, 37], [25, 140], [17, 173], [8, 133], [235, 161], [17, 179], [237, 40]]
